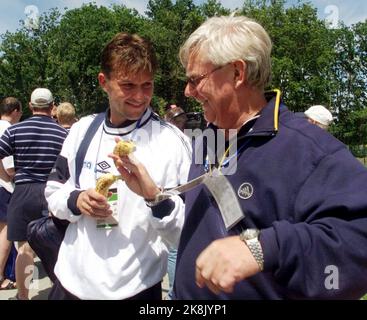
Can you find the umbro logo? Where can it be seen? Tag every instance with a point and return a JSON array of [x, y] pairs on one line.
[[103, 165]]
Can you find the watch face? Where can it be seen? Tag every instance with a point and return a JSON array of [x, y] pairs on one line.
[[251, 233]]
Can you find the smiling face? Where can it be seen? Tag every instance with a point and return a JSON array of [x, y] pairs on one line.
[[129, 95], [215, 91], [128, 64]]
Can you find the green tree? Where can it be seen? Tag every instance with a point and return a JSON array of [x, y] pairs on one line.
[[352, 130], [170, 24], [302, 51], [25, 57], [312, 64], [81, 36]]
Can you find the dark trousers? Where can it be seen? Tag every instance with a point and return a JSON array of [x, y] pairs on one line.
[[26, 204], [58, 292]]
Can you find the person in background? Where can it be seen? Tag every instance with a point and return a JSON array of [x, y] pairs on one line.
[[301, 228], [176, 116], [11, 112], [319, 116], [35, 144], [127, 258], [65, 114], [54, 112]]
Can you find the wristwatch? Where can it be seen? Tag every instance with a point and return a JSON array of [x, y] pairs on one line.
[[152, 203], [251, 238], [157, 199]]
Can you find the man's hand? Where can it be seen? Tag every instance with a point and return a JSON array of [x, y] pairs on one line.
[[224, 263], [135, 175], [93, 204]]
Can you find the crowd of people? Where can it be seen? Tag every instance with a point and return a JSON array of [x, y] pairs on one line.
[[298, 190]]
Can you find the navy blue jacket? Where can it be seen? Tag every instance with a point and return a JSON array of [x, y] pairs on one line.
[[308, 198]]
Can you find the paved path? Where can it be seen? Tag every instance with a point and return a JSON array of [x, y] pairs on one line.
[[41, 286]]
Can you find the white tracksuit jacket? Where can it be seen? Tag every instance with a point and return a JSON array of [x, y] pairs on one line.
[[120, 262]]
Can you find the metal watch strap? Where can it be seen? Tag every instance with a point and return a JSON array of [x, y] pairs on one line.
[[255, 248]]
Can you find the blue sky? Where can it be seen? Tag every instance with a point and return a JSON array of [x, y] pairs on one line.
[[11, 11]]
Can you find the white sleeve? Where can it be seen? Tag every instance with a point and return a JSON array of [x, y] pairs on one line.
[[8, 162], [170, 226]]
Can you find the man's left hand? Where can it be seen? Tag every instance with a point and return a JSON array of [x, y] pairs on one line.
[[224, 263]]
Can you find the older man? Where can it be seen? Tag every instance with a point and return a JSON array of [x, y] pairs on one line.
[[302, 193]]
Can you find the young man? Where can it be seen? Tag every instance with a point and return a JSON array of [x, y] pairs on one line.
[[128, 259], [35, 144], [302, 193]]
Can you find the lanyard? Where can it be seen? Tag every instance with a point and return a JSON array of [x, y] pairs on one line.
[[225, 161]]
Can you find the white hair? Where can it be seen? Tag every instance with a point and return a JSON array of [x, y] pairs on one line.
[[226, 39]]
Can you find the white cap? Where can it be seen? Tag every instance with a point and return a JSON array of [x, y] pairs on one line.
[[41, 98], [320, 114]]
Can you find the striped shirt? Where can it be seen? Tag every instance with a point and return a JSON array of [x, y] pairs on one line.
[[35, 144]]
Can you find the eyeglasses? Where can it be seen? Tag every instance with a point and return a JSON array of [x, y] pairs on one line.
[[195, 81]]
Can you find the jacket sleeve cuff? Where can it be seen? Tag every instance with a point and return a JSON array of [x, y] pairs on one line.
[[72, 202], [163, 208], [270, 247]]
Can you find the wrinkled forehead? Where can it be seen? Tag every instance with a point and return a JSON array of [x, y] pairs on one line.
[[197, 64]]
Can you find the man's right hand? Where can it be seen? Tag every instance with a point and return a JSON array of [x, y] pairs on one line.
[[93, 204]]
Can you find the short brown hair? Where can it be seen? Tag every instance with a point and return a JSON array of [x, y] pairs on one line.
[[9, 104], [128, 53]]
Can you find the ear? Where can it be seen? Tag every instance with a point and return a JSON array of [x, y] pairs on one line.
[[239, 72], [30, 107], [15, 111], [102, 80]]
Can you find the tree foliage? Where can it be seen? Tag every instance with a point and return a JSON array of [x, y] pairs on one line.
[[312, 63]]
